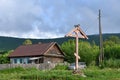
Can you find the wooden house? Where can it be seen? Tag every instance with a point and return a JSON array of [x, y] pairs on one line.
[[37, 53]]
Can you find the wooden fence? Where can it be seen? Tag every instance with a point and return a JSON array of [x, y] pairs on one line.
[[42, 66]]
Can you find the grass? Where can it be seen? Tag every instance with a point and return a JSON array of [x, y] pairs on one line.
[[92, 73]]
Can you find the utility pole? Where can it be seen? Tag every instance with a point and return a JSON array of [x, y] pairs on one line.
[[101, 56], [77, 33]]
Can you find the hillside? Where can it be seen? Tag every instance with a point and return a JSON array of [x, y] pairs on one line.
[[8, 43]]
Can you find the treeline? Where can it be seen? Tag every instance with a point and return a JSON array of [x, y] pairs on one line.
[[89, 52], [10, 43]]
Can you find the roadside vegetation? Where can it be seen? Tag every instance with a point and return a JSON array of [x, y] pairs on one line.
[[92, 73]]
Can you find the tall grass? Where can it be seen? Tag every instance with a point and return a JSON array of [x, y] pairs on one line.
[[111, 63], [92, 73]]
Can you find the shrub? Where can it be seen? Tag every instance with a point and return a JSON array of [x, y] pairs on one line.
[[61, 67], [111, 63]]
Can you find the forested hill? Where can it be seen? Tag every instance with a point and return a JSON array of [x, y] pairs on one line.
[[8, 43]]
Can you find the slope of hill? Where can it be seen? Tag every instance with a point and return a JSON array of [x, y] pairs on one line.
[[8, 43]]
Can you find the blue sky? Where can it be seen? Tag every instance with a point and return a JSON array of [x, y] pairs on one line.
[[55, 18]]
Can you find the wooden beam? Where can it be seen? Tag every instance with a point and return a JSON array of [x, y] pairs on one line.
[[101, 56]]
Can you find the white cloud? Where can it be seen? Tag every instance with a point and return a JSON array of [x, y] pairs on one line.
[[51, 18]]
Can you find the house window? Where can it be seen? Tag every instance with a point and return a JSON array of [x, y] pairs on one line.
[[15, 60], [12, 61], [21, 60], [18, 61], [25, 60], [41, 60]]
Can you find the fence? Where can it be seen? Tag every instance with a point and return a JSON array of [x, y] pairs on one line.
[[42, 66]]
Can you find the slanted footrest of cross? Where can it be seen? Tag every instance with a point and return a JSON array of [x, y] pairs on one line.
[[77, 56]]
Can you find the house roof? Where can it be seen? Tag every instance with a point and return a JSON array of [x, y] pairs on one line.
[[33, 50]]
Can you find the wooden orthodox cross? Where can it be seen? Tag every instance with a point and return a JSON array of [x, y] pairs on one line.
[[77, 33]]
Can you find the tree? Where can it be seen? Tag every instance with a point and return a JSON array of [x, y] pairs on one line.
[[108, 43], [112, 52], [69, 48], [87, 52], [112, 47], [114, 39], [27, 42], [4, 57]]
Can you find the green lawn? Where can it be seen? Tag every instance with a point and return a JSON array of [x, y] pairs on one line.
[[92, 73]]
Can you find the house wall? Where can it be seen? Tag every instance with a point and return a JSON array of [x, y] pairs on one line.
[[54, 56], [54, 50], [53, 60], [44, 60], [26, 60], [21, 60]]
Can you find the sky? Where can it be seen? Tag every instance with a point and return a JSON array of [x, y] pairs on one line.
[[55, 18]]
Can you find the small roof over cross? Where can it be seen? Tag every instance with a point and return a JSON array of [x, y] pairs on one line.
[[77, 31]]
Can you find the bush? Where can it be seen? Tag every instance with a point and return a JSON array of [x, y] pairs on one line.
[[61, 67], [4, 57], [111, 63], [112, 52]]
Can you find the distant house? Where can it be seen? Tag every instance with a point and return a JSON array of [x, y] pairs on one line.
[[37, 53]]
